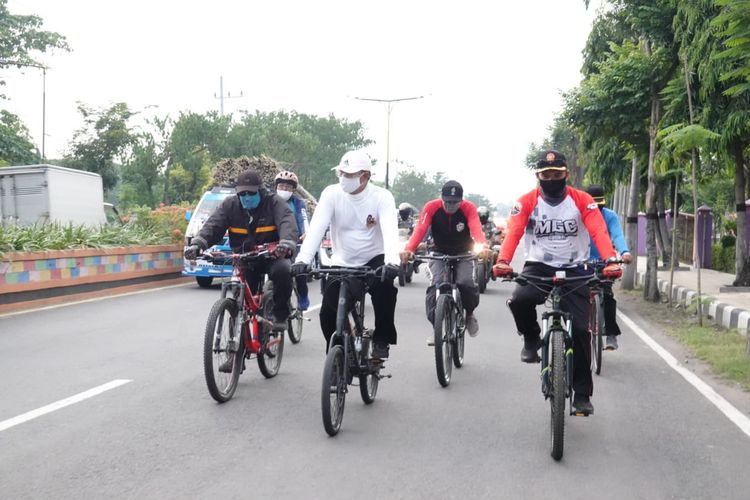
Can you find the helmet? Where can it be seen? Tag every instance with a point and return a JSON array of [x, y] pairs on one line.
[[405, 210], [286, 177], [484, 214]]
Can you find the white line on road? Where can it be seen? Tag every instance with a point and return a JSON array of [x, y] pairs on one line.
[[313, 308], [95, 299], [30, 415], [737, 417]]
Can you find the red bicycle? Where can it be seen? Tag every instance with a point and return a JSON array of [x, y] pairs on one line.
[[239, 326]]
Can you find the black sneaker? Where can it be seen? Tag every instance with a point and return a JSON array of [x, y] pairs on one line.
[[380, 350], [611, 343], [582, 404], [530, 348], [279, 325]]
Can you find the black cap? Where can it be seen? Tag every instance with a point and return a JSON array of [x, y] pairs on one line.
[[248, 180], [452, 190], [597, 193], [551, 160]]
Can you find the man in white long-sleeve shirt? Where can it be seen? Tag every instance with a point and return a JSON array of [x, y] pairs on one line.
[[364, 232]]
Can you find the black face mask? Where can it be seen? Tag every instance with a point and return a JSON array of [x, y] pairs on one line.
[[553, 188]]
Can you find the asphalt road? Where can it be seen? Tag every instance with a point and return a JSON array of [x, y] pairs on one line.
[[485, 436]]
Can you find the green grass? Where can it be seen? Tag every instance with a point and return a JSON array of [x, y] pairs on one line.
[[723, 350]]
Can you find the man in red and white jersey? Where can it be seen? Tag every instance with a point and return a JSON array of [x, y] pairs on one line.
[[455, 227], [556, 221]]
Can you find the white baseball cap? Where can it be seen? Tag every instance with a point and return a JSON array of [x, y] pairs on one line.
[[353, 162]]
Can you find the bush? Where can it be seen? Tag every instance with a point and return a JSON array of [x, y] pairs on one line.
[[723, 258], [167, 221]]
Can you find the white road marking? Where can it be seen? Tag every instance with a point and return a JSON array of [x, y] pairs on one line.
[[313, 308], [95, 299], [30, 415], [737, 417]]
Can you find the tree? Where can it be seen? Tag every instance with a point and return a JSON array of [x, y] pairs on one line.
[[479, 200], [21, 38], [416, 186], [143, 171], [15, 144], [102, 144]]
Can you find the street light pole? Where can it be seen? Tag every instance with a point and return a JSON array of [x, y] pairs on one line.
[[389, 103]]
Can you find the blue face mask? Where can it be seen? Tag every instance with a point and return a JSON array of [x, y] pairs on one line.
[[250, 201]]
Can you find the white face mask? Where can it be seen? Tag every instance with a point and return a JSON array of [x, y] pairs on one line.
[[349, 185], [285, 195]]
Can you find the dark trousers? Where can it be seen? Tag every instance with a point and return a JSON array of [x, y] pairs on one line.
[[610, 310], [279, 272], [301, 282], [383, 295], [575, 301], [467, 285]]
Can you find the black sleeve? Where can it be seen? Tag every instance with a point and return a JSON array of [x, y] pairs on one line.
[[285, 222], [216, 226]]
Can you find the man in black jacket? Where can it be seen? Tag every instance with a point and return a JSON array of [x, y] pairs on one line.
[[254, 217]]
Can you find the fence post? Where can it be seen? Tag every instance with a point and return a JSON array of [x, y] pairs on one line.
[[703, 240]]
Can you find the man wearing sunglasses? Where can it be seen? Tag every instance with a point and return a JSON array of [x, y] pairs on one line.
[[254, 217], [556, 221], [456, 229]]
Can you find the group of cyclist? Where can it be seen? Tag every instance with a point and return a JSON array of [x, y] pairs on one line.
[[562, 226]]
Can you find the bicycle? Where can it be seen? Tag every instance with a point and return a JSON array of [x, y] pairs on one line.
[[449, 325], [349, 348], [596, 324], [237, 326], [296, 320], [557, 351]]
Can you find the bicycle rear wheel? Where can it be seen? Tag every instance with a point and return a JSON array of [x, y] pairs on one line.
[[219, 348], [368, 383], [557, 394], [442, 330], [294, 325], [271, 342], [482, 276], [333, 391]]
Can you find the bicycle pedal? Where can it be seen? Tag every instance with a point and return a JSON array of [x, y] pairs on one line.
[[380, 377]]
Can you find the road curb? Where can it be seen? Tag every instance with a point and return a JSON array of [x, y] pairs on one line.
[[720, 313]]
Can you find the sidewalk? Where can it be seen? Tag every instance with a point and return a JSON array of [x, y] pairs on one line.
[[727, 309]]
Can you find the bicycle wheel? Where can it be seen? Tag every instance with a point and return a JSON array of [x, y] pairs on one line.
[[402, 275], [597, 338], [557, 394], [409, 272], [442, 330], [458, 341], [217, 351], [271, 343], [368, 383], [294, 325], [482, 276], [333, 392]]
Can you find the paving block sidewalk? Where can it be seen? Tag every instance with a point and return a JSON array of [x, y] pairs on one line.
[[727, 309]]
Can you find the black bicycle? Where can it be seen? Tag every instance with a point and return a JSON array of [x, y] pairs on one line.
[[449, 325], [350, 347], [557, 350], [296, 320], [597, 325]]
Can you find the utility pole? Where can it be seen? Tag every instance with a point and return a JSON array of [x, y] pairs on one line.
[[221, 95], [44, 94], [389, 103]]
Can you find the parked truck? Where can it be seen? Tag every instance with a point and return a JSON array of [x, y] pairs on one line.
[[47, 193]]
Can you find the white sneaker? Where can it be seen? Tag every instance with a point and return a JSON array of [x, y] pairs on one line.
[[472, 325], [431, 341]]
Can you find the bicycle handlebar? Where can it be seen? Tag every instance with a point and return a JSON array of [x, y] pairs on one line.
[[444, 257], [260, 252]]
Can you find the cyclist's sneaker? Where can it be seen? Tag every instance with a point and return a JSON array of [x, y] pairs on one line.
[[226, 366], [279, 325], [472, 325], [611, 343], [582, 404], [380, 350], [303, 302], [431, 341], [530, 348]]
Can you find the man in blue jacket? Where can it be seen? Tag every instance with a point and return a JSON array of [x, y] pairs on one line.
[[618, 240]]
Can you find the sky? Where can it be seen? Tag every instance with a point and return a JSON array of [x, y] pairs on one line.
[[491, 73]]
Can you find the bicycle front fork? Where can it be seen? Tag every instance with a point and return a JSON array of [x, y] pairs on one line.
[[546, 366]]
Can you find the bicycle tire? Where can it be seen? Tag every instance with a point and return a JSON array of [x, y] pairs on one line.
[[557, 394], [204, 281], [597, 339], [481, 277], [409, 272], [443, 348], [295, 324], [271, 343], [334, 385], [220, 385], [368, 383], [402, 275], [459, 341]]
